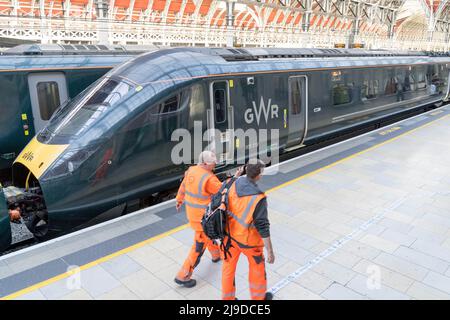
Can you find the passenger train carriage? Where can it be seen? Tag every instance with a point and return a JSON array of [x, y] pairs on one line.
[[112, 145]]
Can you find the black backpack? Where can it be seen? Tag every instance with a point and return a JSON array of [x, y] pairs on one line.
[[215, 219]]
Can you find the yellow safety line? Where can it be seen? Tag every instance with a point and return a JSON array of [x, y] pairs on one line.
[[91, 264], [168, 233]]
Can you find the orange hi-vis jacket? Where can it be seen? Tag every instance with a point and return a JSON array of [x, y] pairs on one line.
[[240, 213], [196, 197]]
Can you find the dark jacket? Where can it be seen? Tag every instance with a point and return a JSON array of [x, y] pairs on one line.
[[246, 187]]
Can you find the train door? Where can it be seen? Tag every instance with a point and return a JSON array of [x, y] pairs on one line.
[[298, 108], [47, 92], [220, 119]]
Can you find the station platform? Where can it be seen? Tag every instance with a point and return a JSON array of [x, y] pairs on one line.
[[367, 218]]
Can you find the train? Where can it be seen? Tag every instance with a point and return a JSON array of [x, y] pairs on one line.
[[112, 145], [36, 78]]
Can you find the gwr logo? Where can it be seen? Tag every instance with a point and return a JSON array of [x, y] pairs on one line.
[[28, 156], [271, 110]]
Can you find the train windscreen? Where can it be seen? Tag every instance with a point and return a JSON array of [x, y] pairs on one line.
[[85, 109]]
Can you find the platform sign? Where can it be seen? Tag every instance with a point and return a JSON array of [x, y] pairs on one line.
[[357, 45], [339, 45]]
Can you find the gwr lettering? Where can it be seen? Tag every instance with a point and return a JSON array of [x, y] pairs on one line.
[[251, 113]]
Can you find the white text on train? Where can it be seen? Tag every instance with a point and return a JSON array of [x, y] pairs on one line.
[[255, 113]]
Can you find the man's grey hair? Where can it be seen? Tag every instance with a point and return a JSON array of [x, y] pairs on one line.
[[207, 157]]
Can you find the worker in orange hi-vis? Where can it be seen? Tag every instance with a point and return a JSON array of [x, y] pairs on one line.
[[249, 232], [196, 189]]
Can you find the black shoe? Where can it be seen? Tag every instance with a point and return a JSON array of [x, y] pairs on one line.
[[215, 260], [188, 283], [268, 296]]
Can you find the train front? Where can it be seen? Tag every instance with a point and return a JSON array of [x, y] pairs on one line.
[[69, 166]]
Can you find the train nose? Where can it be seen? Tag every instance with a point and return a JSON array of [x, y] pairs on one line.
[[27, 195], [37, 158]]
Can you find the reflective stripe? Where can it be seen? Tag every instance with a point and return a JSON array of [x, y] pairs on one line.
[[201, 183], [258, 286], [198, 196], [247, 210], [196, 206], [241, 221], [257, 294], [228, 295]]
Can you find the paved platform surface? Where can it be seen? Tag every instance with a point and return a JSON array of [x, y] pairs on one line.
[[368, 218]]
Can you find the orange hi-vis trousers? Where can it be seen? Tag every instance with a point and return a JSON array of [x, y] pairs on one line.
[[256, 276], [201, 242]]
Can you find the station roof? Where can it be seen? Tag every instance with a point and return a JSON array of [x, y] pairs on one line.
[[412, 16]]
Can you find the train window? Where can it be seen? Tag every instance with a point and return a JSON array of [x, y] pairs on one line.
[[421, 80], [87, 108], [342, 94], [410, 83], [296, 98], [170, 105], [109, 93], [220, 105], [369, 89], [197, 103], [436, 84], [48, 97], [391, 86]]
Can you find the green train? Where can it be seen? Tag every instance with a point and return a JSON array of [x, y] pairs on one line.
[[35, 79], [112, 145]]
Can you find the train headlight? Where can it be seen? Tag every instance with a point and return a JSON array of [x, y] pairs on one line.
[[69, 162]]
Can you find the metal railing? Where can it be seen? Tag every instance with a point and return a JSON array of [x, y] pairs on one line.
[[96, 31]]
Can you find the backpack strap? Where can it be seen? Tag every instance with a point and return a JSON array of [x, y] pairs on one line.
[[225, 191], [227, 184], [227, 188]]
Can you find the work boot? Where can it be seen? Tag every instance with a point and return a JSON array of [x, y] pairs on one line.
[[268, 296], [215, 260], [187, 283]]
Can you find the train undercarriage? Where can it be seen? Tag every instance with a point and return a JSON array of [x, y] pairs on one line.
[[26, 206]]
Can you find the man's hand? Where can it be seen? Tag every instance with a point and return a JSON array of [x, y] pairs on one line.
[[178, 206], [270, 257], [269, 249], [239, 172], [14, 214]]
